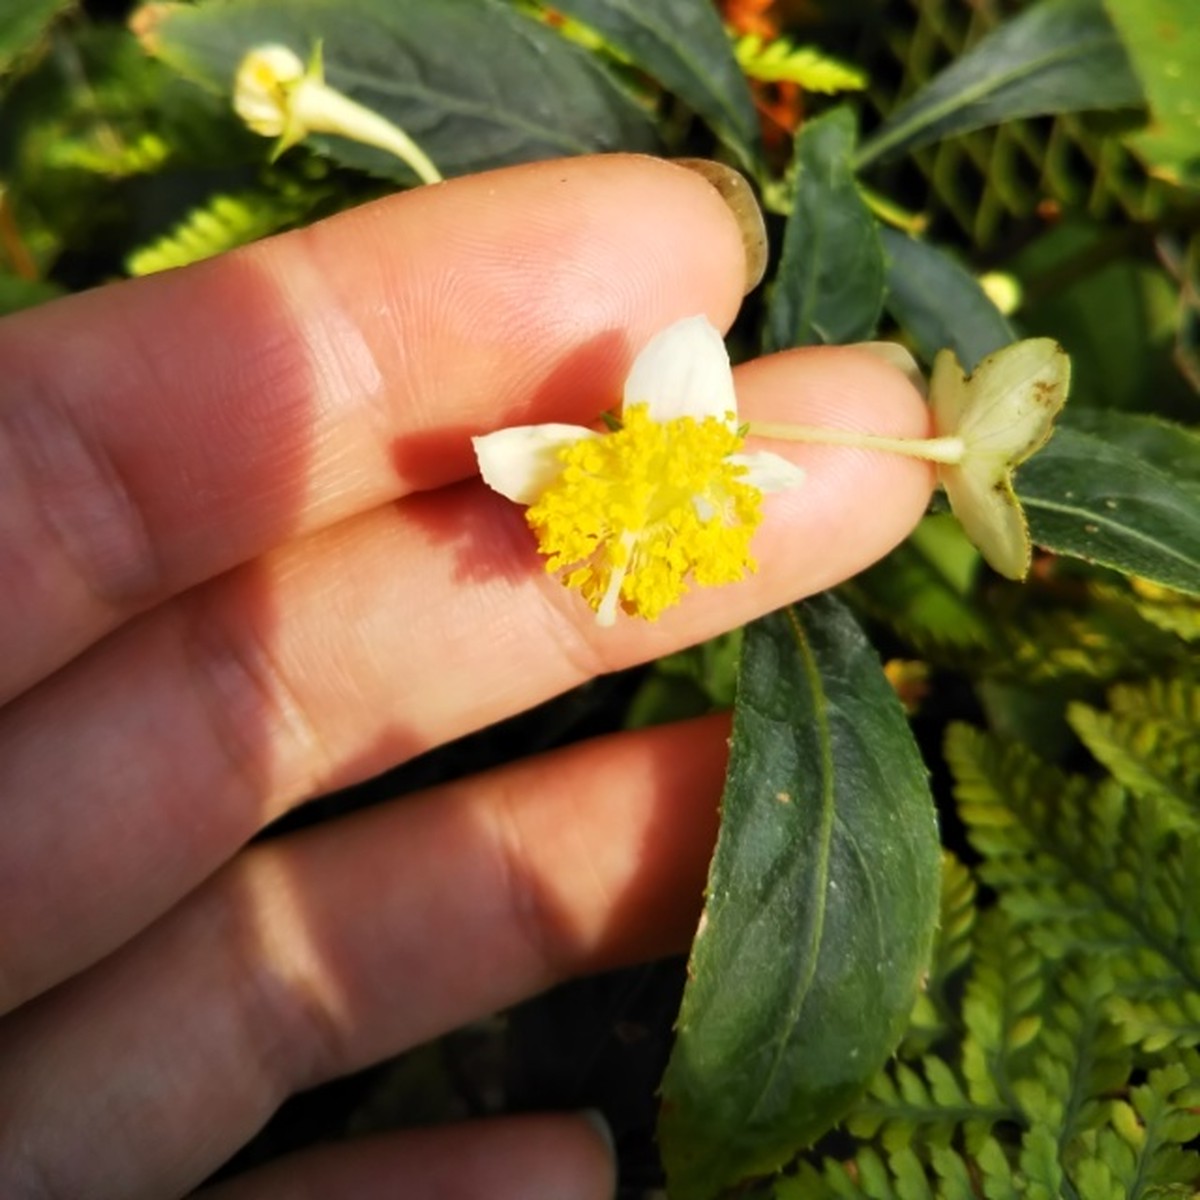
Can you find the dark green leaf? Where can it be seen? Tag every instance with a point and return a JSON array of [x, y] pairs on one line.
[[23, 24], [1163, 40], [1119, 490], [1057, 56], [1116, 311], [684, 46], [939, 303], [829, 288], [822, 899], [473, 82]]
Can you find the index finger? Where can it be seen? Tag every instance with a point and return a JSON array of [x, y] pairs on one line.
[[157, 433]]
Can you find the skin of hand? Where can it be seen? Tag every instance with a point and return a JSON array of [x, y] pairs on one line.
[[246, 560]]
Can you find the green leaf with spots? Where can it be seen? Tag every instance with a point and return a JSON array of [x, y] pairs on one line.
[[1120, 490], [821, 905]]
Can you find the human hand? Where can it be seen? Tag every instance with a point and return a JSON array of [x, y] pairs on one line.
[[245, 560]]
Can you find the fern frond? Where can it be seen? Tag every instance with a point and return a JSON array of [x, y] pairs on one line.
[[1080, 1058], [225, 222], [1084, 868], [1000, 1011], [1077, 1129], [115, 159], [1148, 740], [782, 61], [1102, 638], [934, 1013], [1167, 609], [1141, 1154]]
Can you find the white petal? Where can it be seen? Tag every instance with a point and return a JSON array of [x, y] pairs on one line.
[[768, 472], [683, 372], [991, 517], [521, 462]]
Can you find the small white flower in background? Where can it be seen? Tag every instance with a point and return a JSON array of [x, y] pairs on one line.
[[279, 97], [264, 90], [631, 517], [1002, 413]]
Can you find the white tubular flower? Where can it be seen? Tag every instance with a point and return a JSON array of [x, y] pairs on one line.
[[631, 517], [1002, 413], [279, 97], [266, 81]]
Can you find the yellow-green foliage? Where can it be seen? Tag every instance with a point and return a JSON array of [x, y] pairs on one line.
[[782, 61], [1149, 740], [225, 222]]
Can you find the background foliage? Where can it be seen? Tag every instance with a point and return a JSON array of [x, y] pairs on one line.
[[941, 172]]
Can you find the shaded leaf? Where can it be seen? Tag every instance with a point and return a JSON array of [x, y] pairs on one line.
[[1118, 316], [473, 82], [924, 589], [1118, 490], [23, 24], [684, 46], [17, 293], [822, 900], [939, 303], [1057, 56], [1163, 40], [829, 288]]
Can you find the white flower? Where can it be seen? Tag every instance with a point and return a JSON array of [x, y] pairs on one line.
[[632, 516], [1002, 413], [279, 97]]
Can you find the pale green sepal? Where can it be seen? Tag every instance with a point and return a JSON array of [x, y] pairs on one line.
[[1003, 412]]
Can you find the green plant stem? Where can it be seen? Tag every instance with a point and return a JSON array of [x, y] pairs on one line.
[[948, 450]]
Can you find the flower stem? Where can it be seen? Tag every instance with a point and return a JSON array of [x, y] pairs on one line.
[[941, 450], [328, 111]]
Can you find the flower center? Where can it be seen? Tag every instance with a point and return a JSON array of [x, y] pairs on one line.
[[637, 513]]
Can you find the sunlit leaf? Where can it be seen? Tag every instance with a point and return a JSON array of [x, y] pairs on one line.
[[1163, 40]]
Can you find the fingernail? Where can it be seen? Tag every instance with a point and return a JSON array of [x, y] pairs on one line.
[[596, 1119], [900, 358], [734, 188]]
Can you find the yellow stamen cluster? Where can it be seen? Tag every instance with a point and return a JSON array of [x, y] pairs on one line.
[[637, 513]]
